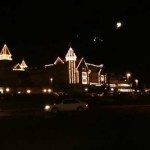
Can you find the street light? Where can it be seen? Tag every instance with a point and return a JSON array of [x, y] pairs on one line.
[[51, 80], [136, 81], [128, 76]]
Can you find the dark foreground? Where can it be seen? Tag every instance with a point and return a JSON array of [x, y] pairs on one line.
[[107, 127]]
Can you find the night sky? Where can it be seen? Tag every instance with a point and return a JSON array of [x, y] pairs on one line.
[[39, 31]]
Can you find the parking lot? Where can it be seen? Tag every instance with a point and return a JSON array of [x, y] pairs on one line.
[[105, 128]]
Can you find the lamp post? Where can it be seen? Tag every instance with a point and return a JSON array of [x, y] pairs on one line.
[[51, 81], [136, 81], [128, 76]]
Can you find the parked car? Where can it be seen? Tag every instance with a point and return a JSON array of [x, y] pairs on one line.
[[68, 104]]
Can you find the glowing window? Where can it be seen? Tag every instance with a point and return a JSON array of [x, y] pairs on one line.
[[84, 78]]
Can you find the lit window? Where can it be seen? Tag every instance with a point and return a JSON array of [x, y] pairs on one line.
[[84, 78]]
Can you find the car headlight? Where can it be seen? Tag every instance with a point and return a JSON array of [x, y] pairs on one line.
[[47, 107]]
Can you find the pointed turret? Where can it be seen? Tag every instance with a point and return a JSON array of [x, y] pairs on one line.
[[23, 64], [71, 59], [71, 55], [5, 53]]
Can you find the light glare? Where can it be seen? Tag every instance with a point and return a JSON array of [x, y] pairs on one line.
[[118, 25], [44, 90], [47, 107], [7, 89], [28, 91]]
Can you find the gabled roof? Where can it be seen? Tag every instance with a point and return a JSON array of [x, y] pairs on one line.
[[94, 68], [49, 65], [99, 66], [82, 60], [70, 55], [58, 60], [5, 53], [23, 64], [17, 67]]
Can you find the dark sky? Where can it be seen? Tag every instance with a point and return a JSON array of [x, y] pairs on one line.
[[40, 31]]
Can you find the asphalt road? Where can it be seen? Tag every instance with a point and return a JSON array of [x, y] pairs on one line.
[[106, 127]]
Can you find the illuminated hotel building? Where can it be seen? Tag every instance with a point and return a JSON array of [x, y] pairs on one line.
[[63, 71], [78, 71]]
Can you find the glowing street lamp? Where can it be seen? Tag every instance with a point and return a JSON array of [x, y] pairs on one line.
[[28, 91], [51, 80], [44, 90], [49, 90], [128, 76], [7, 89], [136, 81]]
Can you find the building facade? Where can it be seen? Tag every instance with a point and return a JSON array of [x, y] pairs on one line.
[[62, 73], [72, 70]]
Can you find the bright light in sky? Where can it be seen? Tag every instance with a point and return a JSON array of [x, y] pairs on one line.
[[118, 24]]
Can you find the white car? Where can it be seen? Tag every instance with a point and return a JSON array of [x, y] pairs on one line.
[[68, 104]]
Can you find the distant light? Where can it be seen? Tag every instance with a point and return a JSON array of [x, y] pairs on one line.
[[128, 75], [49, 90], [51, 79], [7, 89], [44, 90], [136, 80], [118, 25], [124, 85], [86, 89], [1, 91], [19, 92], [28, 91], [124, 90], [112, 89], [47, 107]]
